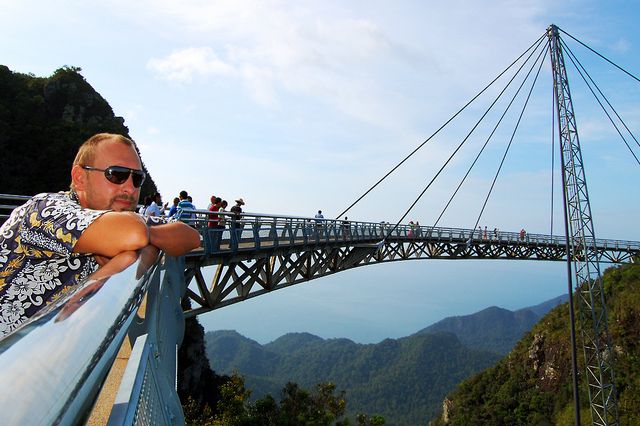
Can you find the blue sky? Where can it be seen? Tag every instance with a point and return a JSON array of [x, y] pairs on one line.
[[298, 106]]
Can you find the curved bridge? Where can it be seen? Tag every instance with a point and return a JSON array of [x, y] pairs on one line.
[[263, 253]]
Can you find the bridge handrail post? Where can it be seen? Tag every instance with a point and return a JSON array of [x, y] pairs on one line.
[[157, 338], [234, 235], [273, 231], [306, 227], [256, 226]]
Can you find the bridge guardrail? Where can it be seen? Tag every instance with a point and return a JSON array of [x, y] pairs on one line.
[[9, 202], [255, 231], [264, 229], [53, 366]]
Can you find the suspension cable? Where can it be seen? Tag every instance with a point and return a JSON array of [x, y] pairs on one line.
[[464, 140], [489, 138], [574, 57], [535, 44], [578, 66], [524, 107], [612, 63]]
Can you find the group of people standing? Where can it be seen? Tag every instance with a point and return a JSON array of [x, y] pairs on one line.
[[218, 205], [182, 206], [486, 235]]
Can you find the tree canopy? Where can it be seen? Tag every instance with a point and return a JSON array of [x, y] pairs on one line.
[[43, 121]]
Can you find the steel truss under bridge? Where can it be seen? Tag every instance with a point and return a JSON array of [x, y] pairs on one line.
[[264, 253]]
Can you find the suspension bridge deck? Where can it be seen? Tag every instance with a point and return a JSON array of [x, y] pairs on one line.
[[263, 253]]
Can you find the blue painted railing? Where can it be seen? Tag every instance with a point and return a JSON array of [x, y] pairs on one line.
[[256, 231], [53, 367]]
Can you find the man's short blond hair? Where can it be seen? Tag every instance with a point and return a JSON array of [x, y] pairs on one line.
[[86, 152]]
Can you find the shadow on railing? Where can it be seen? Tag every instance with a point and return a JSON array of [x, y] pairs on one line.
[[53, 367]]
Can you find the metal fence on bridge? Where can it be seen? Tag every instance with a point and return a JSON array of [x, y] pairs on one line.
[[256, 231]]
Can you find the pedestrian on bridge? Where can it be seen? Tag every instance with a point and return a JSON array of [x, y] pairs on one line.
[[145, 205], [55, 242], [319, 219], [174, 208], [523, 234], [236, 223], [214, 207], [155, 208], [185, 204], [222, 219], [346, 227]]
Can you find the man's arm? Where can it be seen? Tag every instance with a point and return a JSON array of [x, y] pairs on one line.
[[115, 232], [112, 233], [175, 238]]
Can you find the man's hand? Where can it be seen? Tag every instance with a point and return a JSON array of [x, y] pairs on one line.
[[101, 260], [175, 238]]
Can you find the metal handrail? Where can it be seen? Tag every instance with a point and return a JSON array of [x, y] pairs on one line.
[[5, 209], [371, 229], [53, 367], [265, 227]]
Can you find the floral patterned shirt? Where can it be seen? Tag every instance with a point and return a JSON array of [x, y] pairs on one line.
[[37, 263]]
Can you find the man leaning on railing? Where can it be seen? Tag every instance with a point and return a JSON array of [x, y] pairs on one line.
[[57, 240]]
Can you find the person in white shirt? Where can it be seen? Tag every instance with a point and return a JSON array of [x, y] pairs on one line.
[[155, 208]]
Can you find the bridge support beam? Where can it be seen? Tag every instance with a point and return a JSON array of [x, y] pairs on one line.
[[586, 261]]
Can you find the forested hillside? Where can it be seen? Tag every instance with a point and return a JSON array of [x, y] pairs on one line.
[[403, 380], [494, 329], [532, 385], [43, 121]]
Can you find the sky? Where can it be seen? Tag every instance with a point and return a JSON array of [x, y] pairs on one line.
[[297, 106]]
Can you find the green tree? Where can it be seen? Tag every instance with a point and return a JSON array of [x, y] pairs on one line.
[[232, 407], [322, 407]]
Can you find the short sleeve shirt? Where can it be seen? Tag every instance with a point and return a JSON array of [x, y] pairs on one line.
[[153, 210], [37, 263], [185, 204]]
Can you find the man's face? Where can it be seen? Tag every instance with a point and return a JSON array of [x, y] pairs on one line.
[[93, 188]]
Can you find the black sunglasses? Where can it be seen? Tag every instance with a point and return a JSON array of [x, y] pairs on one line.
[[120, 174]]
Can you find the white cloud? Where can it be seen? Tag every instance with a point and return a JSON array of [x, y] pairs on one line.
[[339, 56], [183, 64], [621, 45]]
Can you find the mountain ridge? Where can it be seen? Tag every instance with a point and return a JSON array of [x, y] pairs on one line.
[[402, 379]]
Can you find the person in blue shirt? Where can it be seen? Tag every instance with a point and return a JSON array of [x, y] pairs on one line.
[[174, 208], [185, 204]]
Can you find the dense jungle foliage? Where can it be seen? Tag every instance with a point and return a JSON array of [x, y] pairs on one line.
[[296, 406], [43, 121], [404, 380], [533, 385]]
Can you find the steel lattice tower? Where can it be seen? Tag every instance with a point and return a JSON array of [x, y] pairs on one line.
[[586, 261]]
